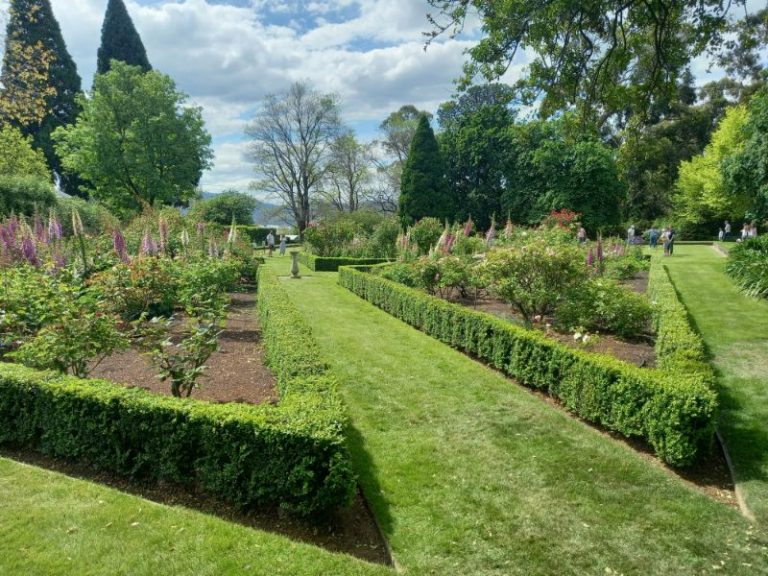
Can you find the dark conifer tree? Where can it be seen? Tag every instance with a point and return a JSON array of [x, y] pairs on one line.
[[120, 40], [32, 21], [423, 190]]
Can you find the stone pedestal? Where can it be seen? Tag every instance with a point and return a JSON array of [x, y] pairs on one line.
[[295, 264]]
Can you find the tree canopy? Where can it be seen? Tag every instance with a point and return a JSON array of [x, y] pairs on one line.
[[120, 40], [598, 57], [19, 158], [702, 200], [423, 187], [223, 208], [291, 139], [136, 143], [34, 32]]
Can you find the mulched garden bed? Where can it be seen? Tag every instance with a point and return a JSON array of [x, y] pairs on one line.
[[236, 372], [640, 353]]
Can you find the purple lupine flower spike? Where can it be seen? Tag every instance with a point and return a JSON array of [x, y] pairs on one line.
[[54, 227], [591, 258], [118, 241], [163, 230], [29, 250], [148, 246]]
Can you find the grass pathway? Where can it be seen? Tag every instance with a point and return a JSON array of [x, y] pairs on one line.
[[735, 329], [56, 525], [470, 474]]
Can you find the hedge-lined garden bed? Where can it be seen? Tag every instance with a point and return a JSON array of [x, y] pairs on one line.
[[292, 455], [674, 413], [332, 263]]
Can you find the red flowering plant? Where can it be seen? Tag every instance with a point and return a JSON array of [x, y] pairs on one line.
[[565, 219]]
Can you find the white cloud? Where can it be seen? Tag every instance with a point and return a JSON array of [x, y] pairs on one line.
[[227, 56]]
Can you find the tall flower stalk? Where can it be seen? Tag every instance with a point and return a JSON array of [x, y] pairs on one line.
[[79, 233]]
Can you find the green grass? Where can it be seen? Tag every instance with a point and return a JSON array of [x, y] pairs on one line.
[[470, 474], [52, 524], [735, 330]]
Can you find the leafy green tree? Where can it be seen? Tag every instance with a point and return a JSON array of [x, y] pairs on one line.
[[702, 199], [559, 166], [473, 100], [19, 158], [423, 188], [479, 149], [136, 143], [120, 40], [598, 57], [222, 208], [746, 171], [33, 27]]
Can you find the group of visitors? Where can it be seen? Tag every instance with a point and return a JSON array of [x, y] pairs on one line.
[[271, 243], [749, 230], [667, 237]]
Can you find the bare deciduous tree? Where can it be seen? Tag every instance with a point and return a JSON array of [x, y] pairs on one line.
[[348, 173], [292, 135]]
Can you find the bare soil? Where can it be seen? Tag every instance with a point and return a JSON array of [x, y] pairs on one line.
[[640, 352], [236, 372]]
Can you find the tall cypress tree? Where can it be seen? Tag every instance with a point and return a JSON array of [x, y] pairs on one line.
[[33, 22], [423, 190], [120, 40]]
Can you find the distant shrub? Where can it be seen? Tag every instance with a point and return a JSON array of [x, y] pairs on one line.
[[603, 304], [25, 195], [96, 218], [426, 232], [221, 208]]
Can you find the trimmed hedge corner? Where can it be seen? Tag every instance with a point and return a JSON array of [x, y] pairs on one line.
[[292, 455], [674, 413], [332, 263]]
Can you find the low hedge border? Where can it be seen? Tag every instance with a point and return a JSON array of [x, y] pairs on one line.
[[332, 263], [674, 413], [292, 455], [255, 234], [679, 348]]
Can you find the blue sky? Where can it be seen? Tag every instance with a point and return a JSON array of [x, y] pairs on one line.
[[228, 54]]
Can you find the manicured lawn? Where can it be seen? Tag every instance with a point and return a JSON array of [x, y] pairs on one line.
[[52, 524], [735, 329], [470, 474]]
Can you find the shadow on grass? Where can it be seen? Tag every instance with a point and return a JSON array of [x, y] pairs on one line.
[[350, 530], [368, 478]]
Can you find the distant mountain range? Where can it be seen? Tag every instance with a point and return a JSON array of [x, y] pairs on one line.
[[265, 214]]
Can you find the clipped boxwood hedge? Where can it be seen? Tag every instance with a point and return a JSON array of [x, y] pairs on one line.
[[678, 347], [292, 455], [332, 263], [674, 413], [254, 234]]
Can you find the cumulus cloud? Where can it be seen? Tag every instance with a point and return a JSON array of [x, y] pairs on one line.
[[228, 54]]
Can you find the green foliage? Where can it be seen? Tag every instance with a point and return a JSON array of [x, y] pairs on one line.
[[426, 232], [222, 208], [703, 200], [97, 219], [136, 143], [748, 266], [423, 189], [32, 22], [56, 322], [746, 171], [360, 234], [120, 40], [604, 305], [25, 195], [605, 58], [678, 347], [536, 277], [674, 413], [19, 158]]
